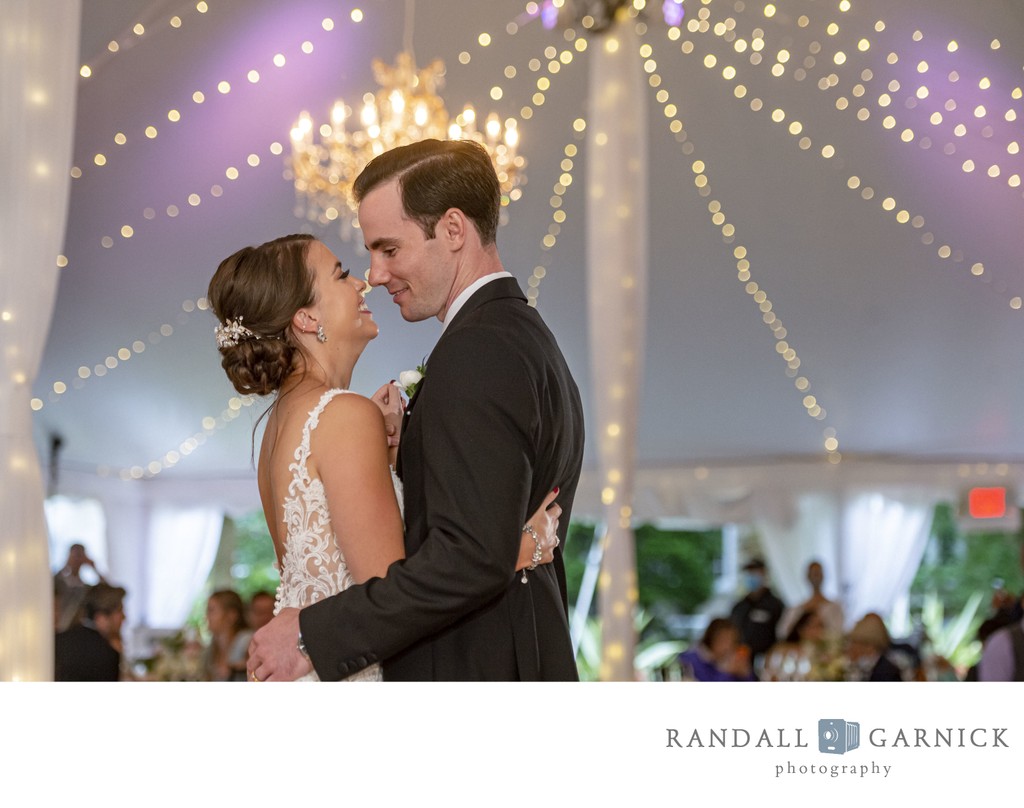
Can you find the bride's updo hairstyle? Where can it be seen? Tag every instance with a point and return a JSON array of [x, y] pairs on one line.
[[254, 294]]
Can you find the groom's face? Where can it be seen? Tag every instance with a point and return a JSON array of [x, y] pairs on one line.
[[415, 270]]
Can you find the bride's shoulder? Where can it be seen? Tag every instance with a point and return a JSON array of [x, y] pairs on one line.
[[344, 407]]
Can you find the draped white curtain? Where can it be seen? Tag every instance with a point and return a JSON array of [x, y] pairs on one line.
[[883, 539], [73, 520], [617, 292], [870, 544], [811, 534], [38, 80], [180, 552]]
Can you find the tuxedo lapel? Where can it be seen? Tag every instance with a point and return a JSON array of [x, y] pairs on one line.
[[405, 423]]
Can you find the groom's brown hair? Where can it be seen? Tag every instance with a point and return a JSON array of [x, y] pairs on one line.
[[436, 175]]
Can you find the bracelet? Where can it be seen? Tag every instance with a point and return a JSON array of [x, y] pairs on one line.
[[301, 645], [538, 551]]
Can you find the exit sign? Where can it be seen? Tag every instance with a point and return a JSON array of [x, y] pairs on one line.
[[989, 507]]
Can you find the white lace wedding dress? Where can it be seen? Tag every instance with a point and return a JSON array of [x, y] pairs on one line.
[[313, 567]]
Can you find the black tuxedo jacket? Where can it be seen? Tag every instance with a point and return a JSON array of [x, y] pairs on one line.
[[496, 424]]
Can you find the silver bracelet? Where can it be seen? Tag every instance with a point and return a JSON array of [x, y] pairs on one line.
[[538, 551]]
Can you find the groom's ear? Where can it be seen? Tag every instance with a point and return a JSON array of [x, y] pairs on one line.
[[452, 227]]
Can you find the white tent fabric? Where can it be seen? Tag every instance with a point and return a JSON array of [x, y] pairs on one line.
[[617, 286], [182, 545], [884, 537], [38, 48]]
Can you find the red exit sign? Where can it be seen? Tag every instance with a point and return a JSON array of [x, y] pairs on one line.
[[989, 508], [986, 503]]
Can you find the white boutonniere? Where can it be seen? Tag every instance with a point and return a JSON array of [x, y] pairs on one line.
[[409, 380]]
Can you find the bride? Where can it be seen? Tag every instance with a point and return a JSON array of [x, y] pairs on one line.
[[293, 322]]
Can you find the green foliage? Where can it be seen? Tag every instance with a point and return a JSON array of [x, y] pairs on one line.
[[253, 558], [650, 655], [954, 640], [574, 554], [957, 566], [675, 569]]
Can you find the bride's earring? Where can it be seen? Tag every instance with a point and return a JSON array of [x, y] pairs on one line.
[[320, 335]]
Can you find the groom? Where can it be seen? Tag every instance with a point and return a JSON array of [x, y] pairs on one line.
[[495, 425]]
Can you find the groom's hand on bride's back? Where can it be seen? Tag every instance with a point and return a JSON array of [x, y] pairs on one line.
[[274, 651]]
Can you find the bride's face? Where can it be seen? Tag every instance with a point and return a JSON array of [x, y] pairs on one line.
[[341, 299]]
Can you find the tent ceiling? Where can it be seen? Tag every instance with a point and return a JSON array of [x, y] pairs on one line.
[[911, 355]]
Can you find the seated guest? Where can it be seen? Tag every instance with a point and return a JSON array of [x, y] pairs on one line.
[[225, 656], [719, 656], [802, 649], [1002, 655], [90, 651], [261, 609], [868, 648]]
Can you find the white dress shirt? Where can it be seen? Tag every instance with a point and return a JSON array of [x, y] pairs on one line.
[[466, 293]]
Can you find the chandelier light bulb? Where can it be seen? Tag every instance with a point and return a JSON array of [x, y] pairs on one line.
[[406, 108], [493, 127]]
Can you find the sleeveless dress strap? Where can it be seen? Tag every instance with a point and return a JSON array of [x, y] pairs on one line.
[[302, 452]]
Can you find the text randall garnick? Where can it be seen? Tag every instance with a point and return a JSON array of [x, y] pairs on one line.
[[790, 737]]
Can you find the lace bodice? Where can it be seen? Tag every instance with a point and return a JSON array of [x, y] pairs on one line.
[[313, 567]]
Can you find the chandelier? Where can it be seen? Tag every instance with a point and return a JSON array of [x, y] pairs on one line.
[[405, 109]]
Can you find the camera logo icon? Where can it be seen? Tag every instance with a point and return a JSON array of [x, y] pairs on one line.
[[836, 736]]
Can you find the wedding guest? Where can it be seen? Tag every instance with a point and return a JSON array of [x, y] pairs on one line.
[[868, 650], [829, 611], [225, 655], [791, 657], [757, 614], [1002, 655], [90, 650], [719, 656], [69, 587], [261, 609]]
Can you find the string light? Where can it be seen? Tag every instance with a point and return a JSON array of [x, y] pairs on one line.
[[558, 216], [139, 30], [754, 46], [121, 355], [718, 217], [223, 88], [211, 424], [867, 193]]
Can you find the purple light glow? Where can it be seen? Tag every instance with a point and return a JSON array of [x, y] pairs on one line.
[[673, 11], [549, 15]]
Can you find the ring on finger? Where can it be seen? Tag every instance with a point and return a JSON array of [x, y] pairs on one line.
[[256, 678]]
